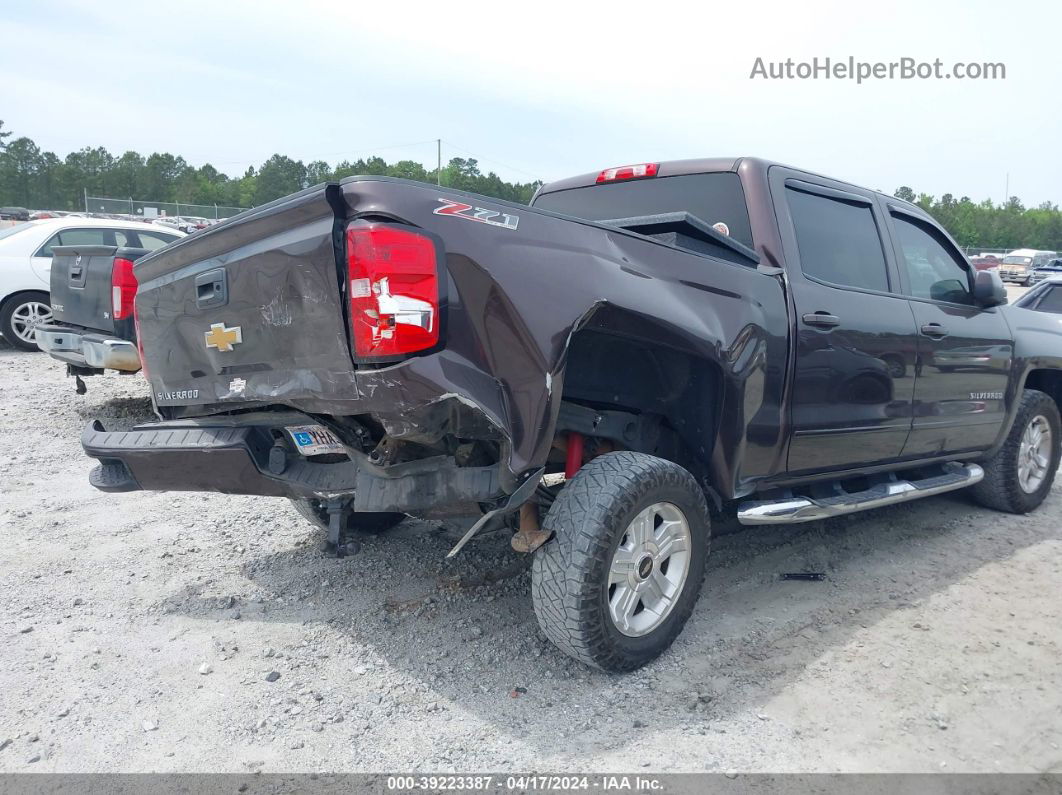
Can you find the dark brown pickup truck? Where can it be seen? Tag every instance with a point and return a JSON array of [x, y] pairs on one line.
[[595, 372]]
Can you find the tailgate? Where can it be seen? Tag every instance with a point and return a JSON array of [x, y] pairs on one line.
[[248, 310], [81, 287]]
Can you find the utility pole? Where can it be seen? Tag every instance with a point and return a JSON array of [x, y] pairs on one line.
[[438, 170], [1006, 190], [86, 199]]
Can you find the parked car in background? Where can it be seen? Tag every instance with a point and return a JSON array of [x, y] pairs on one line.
[[26, 258], [14, 214], [1046, 296], [168, 220], [1052, 268], [92, 292], [984, 263], [1019, 264]]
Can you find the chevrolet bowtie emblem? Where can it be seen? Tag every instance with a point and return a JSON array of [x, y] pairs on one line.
[[223, 338]]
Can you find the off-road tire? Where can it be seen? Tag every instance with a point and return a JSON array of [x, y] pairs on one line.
[[569, 574], [369, 523], [8, 309], [999, 488]]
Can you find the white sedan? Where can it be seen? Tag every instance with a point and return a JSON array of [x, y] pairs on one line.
[[26, 260]]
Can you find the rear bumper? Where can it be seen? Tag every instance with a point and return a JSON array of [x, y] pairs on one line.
[[88, 349], [249, 454]]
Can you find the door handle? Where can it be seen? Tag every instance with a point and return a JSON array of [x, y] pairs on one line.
[[821, 319], [934, 330], [211, 289]]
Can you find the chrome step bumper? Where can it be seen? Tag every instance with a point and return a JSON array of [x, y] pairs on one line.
[[88, 349], [792, 510]]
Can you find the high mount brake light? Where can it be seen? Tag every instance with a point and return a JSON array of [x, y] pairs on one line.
[[628, 172], [393, 278], [123, 288]]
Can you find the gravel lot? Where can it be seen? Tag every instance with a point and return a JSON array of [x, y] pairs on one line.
[[142, 633]]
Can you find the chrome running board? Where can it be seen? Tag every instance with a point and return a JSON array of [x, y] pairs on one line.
[[791, 510]]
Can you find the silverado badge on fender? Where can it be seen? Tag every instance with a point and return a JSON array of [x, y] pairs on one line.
[[222, 337], [483, 216]]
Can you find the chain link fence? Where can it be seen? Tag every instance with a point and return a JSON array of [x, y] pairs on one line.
[[980, 251], [140, 208]]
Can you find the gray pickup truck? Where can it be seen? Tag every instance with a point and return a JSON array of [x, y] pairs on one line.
[[594, 373], [92, 293]]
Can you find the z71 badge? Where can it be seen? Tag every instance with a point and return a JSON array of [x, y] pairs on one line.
[[480, 214]]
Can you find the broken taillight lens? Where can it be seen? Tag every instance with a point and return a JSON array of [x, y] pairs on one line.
[[628, 172], [123, 288], [393, 279]]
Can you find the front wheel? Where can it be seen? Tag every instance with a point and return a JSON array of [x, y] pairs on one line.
[[21, 316], [618, 581], [1018, 477]]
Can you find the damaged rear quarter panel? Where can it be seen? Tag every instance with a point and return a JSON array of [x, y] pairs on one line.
[[516, 296]]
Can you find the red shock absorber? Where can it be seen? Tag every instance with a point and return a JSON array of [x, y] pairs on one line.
[[575, 454]]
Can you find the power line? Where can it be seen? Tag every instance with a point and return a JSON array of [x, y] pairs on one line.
[[452, 145]]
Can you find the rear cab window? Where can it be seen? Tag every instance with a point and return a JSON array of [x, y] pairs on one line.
[[713, 197], [837, 239]]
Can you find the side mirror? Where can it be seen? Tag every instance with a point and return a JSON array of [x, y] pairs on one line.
[[988, 289]]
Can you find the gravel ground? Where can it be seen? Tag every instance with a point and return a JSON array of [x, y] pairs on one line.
[[187, 632]]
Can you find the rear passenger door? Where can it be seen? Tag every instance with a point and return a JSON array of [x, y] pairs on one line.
[[853, 378], [964, 351]]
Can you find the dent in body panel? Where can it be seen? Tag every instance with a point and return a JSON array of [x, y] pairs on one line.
[[519, 295]]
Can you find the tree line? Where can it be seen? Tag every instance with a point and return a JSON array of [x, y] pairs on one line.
[[986, 225], [40, 180]]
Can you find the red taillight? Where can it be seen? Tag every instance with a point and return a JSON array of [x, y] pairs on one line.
[[393, 278], [628, 172], [123, 288]]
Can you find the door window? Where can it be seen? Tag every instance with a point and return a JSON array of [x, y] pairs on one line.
[[153, 240], [87, 237], [838, 241], [46, 249], [934, 271], [1051, 301], [94, 236]]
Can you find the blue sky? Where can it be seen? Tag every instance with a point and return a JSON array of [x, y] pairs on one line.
[[545, 89]]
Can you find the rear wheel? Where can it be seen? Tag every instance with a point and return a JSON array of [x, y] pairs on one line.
[[1018, 477], [316, 513], [618, 581], [21, 316]]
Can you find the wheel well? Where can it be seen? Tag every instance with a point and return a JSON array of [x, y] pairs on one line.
[[8, 298], [1049, 381], [610, 371]]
